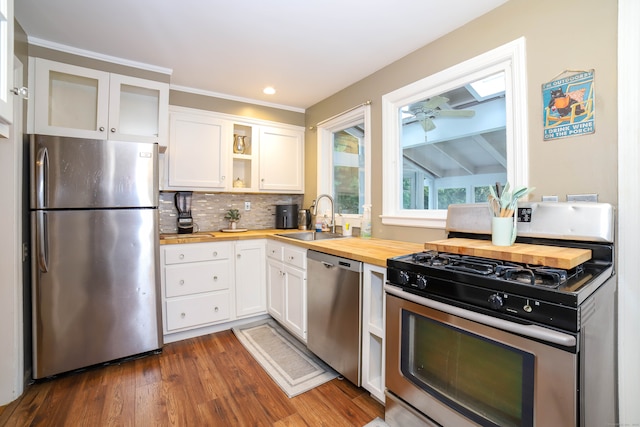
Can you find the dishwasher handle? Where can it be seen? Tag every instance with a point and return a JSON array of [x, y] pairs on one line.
[[332, 261]]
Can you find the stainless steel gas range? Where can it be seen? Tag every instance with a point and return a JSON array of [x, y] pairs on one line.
[[492, 342]]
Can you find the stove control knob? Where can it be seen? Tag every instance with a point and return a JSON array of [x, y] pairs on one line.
[[404, 278], [421, 281], [495, 301]]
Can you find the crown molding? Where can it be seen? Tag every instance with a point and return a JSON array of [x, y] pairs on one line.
[[94, 55]]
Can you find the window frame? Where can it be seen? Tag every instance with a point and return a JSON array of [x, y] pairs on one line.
[[325, 131], [510, 58]]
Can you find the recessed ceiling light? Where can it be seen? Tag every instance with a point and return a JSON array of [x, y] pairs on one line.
[[269, 90]]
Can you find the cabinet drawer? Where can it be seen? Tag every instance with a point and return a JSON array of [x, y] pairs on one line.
[[274, 250], [197, 310], [194, 252], [193, 278], [295, 256]]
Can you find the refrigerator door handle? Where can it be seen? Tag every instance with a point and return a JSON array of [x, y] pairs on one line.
[[41, 232], [42, 166]]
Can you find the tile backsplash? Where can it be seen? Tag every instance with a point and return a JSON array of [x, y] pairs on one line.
[[208, 210]]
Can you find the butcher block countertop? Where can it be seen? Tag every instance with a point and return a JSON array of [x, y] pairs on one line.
[[372, 251], [549, 256]]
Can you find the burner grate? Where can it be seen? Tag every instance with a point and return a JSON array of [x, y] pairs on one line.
[[534, 276]]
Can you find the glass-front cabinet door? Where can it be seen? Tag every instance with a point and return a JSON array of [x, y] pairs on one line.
[[87, 103], [70, 100], [138, 109]]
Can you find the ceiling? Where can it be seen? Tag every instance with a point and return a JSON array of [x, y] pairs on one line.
[[306, 49]]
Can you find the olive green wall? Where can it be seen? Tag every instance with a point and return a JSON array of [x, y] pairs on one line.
[[570, 34]]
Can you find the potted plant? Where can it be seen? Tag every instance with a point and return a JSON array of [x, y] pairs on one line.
[[233, 215]]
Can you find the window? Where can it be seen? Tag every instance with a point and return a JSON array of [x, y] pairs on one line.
[[450, 136], [343, 163]]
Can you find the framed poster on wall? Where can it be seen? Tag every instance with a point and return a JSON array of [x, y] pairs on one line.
[[568, 105]]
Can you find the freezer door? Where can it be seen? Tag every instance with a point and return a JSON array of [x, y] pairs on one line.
[[95, 287], [73, 173]]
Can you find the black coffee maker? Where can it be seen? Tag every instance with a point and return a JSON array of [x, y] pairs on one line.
[[183, 204]]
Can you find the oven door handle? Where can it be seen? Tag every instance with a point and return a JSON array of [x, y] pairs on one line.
[[532, 331]]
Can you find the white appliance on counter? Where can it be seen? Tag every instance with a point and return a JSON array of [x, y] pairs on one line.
[[94, 244]]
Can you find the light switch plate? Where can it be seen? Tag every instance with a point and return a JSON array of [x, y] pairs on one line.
[[247, 206]]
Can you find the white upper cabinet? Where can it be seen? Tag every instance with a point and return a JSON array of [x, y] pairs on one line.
[[6, 66], [87, 103], [221, 152], [197, 151], [281, 160]]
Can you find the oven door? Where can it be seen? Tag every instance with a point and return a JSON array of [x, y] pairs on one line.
[[461, 368]]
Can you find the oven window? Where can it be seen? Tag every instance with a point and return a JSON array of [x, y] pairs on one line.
[[488, 382]]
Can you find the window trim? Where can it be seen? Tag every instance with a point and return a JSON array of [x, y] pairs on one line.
[[511, 58], [360, 114]]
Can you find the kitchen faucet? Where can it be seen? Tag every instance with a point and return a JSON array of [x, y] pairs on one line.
[[333, 211]]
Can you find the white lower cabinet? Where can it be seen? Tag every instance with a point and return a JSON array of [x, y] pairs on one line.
[[197, 283], [287, 286], [251, 289], [373, 330]]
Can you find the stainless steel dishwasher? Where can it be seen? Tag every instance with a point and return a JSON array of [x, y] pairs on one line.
[[333, 312]]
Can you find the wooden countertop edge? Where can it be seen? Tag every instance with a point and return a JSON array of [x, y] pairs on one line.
[[371, 251]]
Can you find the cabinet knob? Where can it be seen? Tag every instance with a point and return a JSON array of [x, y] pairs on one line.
[[181, 256], [181, 282], [239, 256], [215, 253], [183, 315], [101, 128], [113, 130], [215, 278], [215, 309]]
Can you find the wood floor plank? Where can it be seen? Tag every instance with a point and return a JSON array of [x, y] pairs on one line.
[[205, 381]]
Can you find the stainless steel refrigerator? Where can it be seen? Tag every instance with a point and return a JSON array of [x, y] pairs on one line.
[[94, 247]]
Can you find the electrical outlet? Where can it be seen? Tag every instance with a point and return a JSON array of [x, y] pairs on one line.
[[247, 206], [582, 198]]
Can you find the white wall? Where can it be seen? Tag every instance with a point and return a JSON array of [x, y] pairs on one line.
[[11, 333], [628, 208]]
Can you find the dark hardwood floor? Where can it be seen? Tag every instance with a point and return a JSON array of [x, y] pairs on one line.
[[205, 381]]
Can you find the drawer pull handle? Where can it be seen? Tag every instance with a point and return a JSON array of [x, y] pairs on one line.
[[183, 315]]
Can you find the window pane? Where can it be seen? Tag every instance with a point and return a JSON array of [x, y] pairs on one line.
[[453, 142], [448, 196], [348, 170]]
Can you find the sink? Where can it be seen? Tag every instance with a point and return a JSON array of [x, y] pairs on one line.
[[311, 235]]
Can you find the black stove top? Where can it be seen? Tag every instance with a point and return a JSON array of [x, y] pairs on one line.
[[532, 293]]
